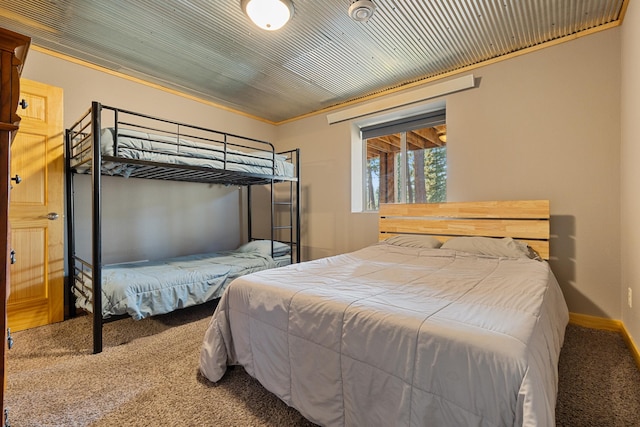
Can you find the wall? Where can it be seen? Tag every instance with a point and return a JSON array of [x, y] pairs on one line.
[[630, 173], [542, 125], [146, 219], [546, 125]]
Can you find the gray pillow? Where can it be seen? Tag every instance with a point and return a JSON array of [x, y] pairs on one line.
[[506, 247], [414, 241], [264, 247]]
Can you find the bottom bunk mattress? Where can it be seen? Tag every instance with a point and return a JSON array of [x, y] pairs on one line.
[[149, 288], [400, 336]]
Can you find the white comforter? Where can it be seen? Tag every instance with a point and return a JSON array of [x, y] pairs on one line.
[[395, 336]]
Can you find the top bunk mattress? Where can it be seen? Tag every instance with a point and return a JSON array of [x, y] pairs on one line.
[[174, 150]]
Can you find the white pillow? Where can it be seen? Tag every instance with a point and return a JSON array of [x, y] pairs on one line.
[[506, 247], [264, 247], [414, 241]]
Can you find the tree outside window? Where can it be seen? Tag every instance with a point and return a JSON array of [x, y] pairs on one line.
[[409, 166]]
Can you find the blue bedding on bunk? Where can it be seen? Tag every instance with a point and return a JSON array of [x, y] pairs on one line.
[[143, 289]]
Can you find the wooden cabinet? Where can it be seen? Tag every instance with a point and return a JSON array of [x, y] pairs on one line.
[[13, 51]]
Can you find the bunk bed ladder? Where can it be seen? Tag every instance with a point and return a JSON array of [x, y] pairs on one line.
[[290, 222], [297, 208], [276, 229], [293, 203]]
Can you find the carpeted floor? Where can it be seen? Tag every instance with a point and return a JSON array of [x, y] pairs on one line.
[[599, 381], [148, 376]]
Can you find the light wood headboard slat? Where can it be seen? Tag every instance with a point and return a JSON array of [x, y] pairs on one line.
[[529, 229], [493, 209]]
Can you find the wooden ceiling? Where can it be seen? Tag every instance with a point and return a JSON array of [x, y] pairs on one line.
[[416, 140]]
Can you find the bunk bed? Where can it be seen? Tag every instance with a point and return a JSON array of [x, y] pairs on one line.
[[117, 142], [453, 318]]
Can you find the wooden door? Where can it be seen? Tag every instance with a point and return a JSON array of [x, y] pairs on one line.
[[36, 211]]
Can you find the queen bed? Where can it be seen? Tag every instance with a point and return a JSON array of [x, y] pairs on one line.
[[409, 331]]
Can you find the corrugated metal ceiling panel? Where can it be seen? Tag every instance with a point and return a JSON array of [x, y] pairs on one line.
[[320, 59]]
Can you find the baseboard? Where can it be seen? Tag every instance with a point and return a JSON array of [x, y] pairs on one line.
[[609, 325]]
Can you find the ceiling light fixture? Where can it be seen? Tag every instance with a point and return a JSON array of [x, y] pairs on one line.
[[361, 10], [268, 14]]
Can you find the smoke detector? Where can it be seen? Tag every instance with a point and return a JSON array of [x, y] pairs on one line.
[[361, 10]]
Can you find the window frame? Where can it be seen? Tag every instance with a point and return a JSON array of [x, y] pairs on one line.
[[388, 124]]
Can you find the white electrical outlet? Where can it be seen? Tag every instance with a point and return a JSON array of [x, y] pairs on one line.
[[629, 297]]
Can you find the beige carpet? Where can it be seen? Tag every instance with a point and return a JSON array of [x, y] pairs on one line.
[[147, 375]]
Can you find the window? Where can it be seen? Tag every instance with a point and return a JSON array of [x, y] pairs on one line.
[[405, 161]]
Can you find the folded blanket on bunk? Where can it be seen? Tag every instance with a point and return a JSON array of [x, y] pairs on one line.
[[132, 144], [143, 289]]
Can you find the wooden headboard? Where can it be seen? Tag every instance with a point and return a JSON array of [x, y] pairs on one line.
[[524, 220]]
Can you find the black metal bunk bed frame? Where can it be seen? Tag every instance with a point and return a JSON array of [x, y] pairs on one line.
[[83, 148]]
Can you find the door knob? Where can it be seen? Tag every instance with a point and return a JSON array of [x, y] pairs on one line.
[[52, 216]]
